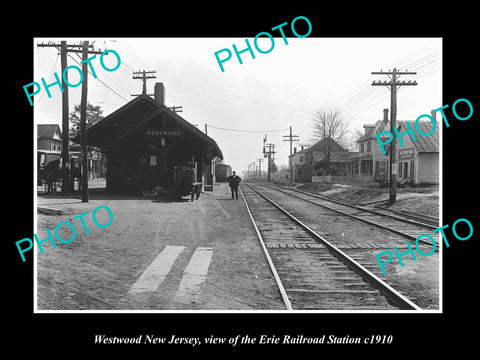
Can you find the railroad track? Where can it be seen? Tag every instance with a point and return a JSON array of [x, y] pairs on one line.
[[312, 273], [404, 226]]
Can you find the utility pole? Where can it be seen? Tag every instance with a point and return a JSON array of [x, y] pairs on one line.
[[393, 85], [143, 75], [265, 155], [291, 138], [65, 123], [260, 168], [268, 154], [64, 50], [83, 124]]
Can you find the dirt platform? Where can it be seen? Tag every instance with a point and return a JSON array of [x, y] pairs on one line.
[[97, 271]]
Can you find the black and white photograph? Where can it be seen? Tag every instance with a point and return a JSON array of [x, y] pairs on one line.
[[276, 187], [261, 187]]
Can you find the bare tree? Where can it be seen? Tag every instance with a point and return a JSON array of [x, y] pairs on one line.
[[328, 125], [352, 138]]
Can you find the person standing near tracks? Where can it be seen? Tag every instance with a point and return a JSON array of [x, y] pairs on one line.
[[233, 182]]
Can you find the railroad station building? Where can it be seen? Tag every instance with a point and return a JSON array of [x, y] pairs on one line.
[[144, 140]]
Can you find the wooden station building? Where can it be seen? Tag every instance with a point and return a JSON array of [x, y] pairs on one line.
[[144, 140]]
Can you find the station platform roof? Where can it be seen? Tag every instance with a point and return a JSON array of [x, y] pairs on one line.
[[138, 113]]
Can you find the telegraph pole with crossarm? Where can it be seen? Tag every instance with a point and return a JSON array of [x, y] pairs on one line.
[[268, 154], [260, 167], [64, 50], [393, 85], [291, 138], [143, 75]]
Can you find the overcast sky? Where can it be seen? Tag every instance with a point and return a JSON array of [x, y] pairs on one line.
[[263, 95]]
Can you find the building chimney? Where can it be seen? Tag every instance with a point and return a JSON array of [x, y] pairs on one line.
[[159, 93], [385, 115], [434, 115], [302, 147], [294, 150]]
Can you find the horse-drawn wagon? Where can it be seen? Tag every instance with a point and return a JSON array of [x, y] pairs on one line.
[[48, 170]]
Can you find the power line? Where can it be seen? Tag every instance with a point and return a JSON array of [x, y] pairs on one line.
[[290, 138], [368, 98], [100, 80], [393, 85], [424, 61], [65, 48], [135, 56], [365, 97], [144, 75], [50, 78], [249, 131], [415, 56]]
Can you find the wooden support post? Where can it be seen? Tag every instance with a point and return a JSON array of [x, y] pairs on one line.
[[65, 123], [83, 124]]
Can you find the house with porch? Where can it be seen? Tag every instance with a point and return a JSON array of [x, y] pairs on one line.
[[49, 138], [371, 164], [416, 161], [325, 157]]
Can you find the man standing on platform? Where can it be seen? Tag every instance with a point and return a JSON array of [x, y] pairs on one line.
[[233, 182]]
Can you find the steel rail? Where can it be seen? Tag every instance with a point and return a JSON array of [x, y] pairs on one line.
[[359, 207], [398, 232], [280, 286], [393, 295], [414, 215]]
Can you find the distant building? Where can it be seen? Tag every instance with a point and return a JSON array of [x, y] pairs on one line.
[[282, 175], [311, 162], [371, 164], [417, 161], [49, 138], [300, 170]]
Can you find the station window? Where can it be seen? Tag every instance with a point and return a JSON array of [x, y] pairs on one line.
[[369, 146], [153, 160], [301, 159], [362, 148]]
